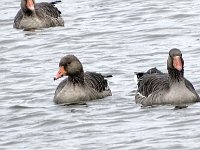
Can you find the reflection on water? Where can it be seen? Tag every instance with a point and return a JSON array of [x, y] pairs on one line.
[[115, 37]]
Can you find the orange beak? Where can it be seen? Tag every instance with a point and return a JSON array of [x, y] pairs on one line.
[[61, 72], [177, 63], [30, 5]]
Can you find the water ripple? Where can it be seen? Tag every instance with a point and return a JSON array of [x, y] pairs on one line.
[[111, 37]]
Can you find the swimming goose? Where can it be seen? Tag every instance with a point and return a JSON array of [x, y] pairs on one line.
[[37, 15], [80, 86], [157, 88]]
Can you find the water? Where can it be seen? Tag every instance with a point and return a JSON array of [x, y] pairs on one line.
[[117, 37]]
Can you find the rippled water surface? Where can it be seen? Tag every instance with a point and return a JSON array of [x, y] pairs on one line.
[[108, 36]]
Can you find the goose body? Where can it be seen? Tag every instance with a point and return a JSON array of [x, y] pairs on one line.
[[37, 15], [157, 88], [80, 86]]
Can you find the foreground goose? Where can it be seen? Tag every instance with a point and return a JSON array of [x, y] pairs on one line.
[[37, 15], [157, 88], [79, 86]]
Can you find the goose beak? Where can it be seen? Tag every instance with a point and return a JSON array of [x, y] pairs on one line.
[[61, 72], [30, 5], [177, 63]]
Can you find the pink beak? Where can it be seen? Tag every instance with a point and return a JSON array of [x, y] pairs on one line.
[[177, 63], [61, 72]]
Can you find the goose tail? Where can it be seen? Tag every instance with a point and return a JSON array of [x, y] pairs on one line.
[[55, 2]]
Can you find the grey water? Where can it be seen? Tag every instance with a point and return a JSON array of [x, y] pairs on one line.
[[118, 37]]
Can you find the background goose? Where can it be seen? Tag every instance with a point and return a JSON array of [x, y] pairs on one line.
[[79, 86], [37, 15], [157, 88]]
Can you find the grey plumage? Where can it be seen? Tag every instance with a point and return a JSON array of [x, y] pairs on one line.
[[43, 15], [79, 86], [96, 81], [157, 88]]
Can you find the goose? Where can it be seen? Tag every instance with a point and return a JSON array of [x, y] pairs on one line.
[[80, 86], [158, 88], [37, 15]]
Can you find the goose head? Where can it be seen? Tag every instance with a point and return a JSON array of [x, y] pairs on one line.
[[175, 60], [69, 66], [28, 6]]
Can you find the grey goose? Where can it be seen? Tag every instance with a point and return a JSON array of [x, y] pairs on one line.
[[157, 88], [37, 15], [79, 86]]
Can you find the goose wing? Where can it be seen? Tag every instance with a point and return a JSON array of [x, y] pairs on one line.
[[154, 70], [150, 83], [191, 88], [17, 19], [151, 88], [48, 8], [96, 81]]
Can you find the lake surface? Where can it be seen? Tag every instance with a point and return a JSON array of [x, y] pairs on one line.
[[118, 37]]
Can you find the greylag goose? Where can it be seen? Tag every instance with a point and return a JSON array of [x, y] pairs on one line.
[[37, 15], [80, 86], [157, 88]]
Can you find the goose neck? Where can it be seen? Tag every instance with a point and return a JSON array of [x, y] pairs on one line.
[[175, 75]]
